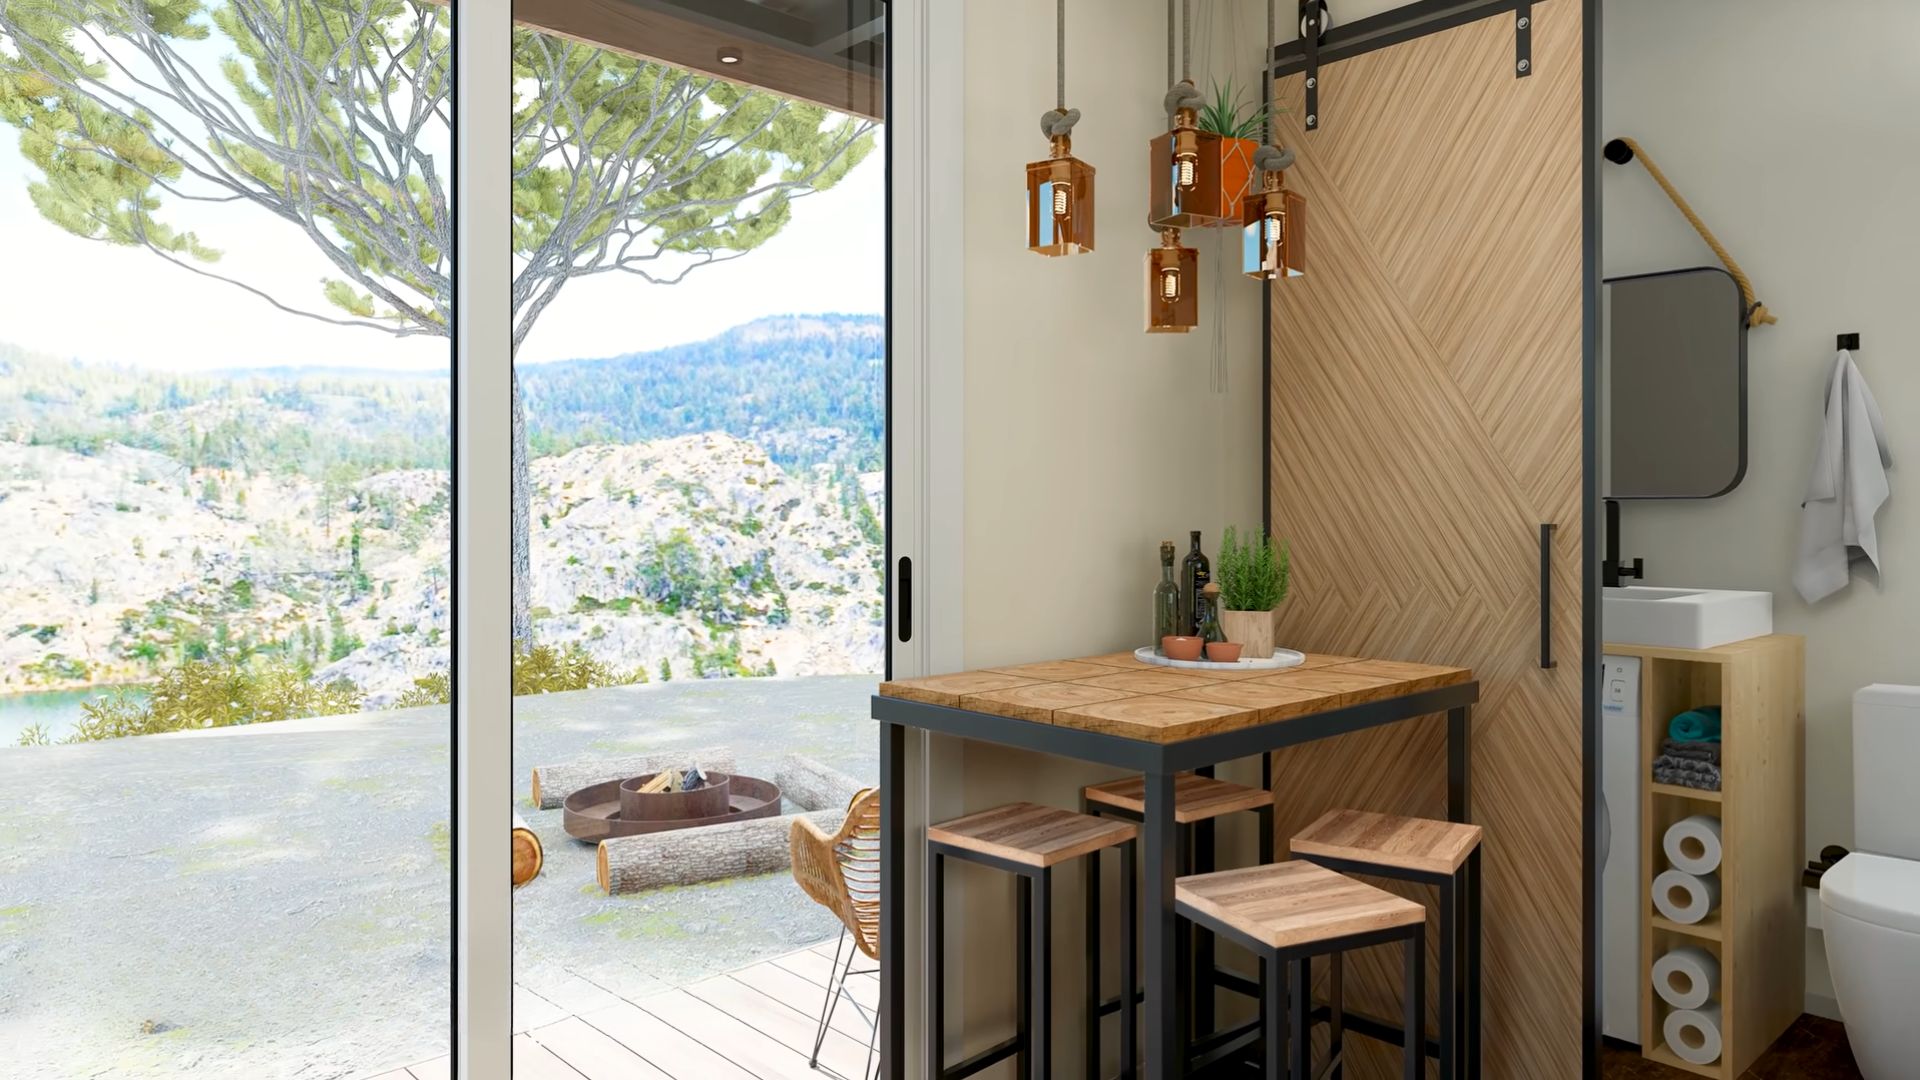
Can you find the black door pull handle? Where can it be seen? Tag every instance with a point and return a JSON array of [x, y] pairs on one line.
[[903, 585], [1547, 530]]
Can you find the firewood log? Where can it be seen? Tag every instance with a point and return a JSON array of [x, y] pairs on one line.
[[527, 856], [692, 856], [813, 786], [553, 783]]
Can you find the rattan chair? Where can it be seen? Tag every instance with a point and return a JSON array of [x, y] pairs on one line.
[[841, 873]]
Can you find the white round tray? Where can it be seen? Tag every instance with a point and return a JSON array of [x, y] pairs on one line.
[[1281, 658]]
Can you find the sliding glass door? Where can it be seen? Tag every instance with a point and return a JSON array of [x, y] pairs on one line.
[[225, 542]]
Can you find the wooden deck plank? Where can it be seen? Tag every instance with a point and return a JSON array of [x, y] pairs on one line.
[[775, 982], [531, 1010], [748, 1049], [662, 1045], [818, 970], [531, 1061], [783, 1023], [593, 1053]]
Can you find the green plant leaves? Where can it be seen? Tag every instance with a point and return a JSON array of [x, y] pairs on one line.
[[1253, 576]]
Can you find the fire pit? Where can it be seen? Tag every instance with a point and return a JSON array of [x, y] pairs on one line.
[[619, 808]]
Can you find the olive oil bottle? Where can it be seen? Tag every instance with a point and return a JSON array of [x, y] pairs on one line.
[[1195, 573]]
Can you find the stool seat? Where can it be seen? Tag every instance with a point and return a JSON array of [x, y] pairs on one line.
[[1290, 904], [1405, 843], [1195, 797], [1030, 834]]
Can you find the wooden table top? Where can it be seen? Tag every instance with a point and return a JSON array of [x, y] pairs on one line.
[[1118, 694]]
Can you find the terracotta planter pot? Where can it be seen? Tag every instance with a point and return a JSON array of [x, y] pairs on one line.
[[1255, 630], [1181, 648], [1223, 652], [1225, 179]]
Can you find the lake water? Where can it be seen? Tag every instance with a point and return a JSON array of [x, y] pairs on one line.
[[59, 710]]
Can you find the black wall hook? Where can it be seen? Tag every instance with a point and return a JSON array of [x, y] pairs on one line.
[[1849, 342], [1617, 151]]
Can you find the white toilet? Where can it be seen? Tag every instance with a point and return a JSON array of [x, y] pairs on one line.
[[1870, 900]]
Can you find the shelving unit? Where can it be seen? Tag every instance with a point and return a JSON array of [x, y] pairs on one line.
[[1758, 931]]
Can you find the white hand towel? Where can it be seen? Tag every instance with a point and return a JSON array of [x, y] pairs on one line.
[[1847, 488]]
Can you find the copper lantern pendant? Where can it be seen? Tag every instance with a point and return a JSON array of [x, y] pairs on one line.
[[1060, 202], [1185, 166], [1173, 286], [1273, 233]]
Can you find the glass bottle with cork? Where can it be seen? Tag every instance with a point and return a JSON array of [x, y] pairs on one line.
[[1195, 574], [1166, 601], [1209, 628]]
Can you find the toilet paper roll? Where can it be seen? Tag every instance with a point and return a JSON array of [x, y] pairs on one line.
[[1687, 977], [1693, 844], [1684, 897], [1694, 1034]]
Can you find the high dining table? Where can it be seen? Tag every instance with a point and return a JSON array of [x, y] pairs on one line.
[[1159, 721]]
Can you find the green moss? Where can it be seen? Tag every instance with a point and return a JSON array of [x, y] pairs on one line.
[[440, 838]]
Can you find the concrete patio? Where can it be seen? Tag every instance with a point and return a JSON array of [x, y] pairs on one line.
[[273, 901]]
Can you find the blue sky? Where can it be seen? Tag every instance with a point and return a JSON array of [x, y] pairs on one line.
[[76, 298]]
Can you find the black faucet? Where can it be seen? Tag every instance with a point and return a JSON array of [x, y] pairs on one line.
[[1611, 569]]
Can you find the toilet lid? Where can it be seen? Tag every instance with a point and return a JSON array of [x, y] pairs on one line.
[[1874, 889]]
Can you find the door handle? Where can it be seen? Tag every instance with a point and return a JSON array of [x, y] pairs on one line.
[[903, 587], [1547, 529]]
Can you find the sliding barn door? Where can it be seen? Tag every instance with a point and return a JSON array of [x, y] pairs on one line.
[[1426, 421]]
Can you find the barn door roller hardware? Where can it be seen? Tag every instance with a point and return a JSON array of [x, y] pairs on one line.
[[1320, 43]]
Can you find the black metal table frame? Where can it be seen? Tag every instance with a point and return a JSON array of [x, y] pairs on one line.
[[1159, 763]]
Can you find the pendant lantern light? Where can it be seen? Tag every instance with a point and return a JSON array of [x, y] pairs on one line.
[[1173, 286], [1273, 230], [1060, 188], [1184, 162]]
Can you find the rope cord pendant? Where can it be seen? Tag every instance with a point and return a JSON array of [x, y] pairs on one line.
[[1757, 313], [1060, 188]]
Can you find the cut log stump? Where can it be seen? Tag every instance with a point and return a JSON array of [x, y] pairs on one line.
[[813, 786], [629, 864], [553, 783], [527, 856]]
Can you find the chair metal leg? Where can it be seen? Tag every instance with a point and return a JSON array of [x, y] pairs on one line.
[[1413, 1023], [1273, 1029], [1092, 997], [1299, 1001], [1203, 940], [836, 985], [1042, 940], [1183, 933], [937, 966]]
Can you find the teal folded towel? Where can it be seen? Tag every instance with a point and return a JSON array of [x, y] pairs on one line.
[[1696, 725]]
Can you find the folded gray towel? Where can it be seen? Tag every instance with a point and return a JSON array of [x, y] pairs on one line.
[[1697, 751], [1686, 772]]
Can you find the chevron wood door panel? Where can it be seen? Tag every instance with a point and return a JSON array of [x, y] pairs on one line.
[[1426, 382]]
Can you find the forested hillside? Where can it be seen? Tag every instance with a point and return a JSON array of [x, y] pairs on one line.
[[807, 388]]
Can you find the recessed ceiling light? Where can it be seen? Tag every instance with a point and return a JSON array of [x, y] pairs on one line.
[[729, 55]]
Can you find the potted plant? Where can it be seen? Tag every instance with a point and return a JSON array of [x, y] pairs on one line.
[[1253, 582]]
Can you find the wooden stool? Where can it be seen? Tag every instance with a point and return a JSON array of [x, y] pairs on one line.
[[1029, 841], [1198, 799], [1440, 853], [1288, 913]]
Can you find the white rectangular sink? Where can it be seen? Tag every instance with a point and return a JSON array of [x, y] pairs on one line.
[[1683, 618]]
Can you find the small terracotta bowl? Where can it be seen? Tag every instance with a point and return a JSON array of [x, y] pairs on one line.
[[1181, 648], [1223, 652]]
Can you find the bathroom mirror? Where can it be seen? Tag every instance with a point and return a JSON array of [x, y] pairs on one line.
[[1676, 385]]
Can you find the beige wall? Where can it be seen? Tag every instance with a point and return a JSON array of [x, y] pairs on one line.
[[1798, 145], [1088, 441]]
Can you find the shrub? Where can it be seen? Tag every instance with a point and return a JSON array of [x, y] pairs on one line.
[[544, 669], [212, 693], [435, 689], [1253, 576]]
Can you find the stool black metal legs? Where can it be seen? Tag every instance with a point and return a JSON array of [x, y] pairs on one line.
[[1458, 1045], [1287, 1018], [1032, 1044]]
